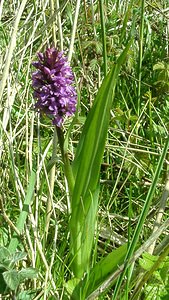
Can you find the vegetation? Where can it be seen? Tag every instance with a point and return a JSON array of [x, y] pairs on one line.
[[84, 211]]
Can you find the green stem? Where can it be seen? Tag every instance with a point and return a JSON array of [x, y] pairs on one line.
[[67, 166], [51, 186]]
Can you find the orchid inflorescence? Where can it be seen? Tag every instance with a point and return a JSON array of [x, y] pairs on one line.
[[53, 85]]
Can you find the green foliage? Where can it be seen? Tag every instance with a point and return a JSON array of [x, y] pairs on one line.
[[10, 276], [86, 169], [162, 83], [12, 279], [24, 213], [156, 290], [26, 295], [103, 269], [160, 277], [136, 131]]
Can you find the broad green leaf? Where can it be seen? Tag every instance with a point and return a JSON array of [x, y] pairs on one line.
[[26, 295], [12, 279], [99, 273], [17, 256], [86, 169], [10, 260], [28, 273], [4, 253], [147, 261], [70, 285], [159, 66], [105, 267], [164, 272]]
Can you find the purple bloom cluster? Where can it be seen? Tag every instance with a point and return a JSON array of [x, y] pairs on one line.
[[53, 86]]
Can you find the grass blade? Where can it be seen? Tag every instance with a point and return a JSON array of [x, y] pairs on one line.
[[10, 50], [143, 215], [24, 213]]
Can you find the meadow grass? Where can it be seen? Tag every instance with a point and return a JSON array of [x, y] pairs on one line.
[[84, 211]]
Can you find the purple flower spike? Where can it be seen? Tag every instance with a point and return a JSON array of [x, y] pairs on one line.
[[53, 86]]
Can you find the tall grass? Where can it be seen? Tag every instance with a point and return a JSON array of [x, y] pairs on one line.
[[84, 210]]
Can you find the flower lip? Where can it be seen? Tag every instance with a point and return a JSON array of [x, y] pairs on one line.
[[53, 84]]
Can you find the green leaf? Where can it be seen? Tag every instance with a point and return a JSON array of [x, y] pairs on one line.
[[17, 256], [164, 272], [98, 274], [159, 66], [147, 261], [26, 295], [4, 253], [28, 273], [86, 169], [156, 278], [70, 285], [105, 267], [7, 259], [12, 279]]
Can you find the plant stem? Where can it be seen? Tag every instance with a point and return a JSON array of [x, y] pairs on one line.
[[51, 186], [67, 166]]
